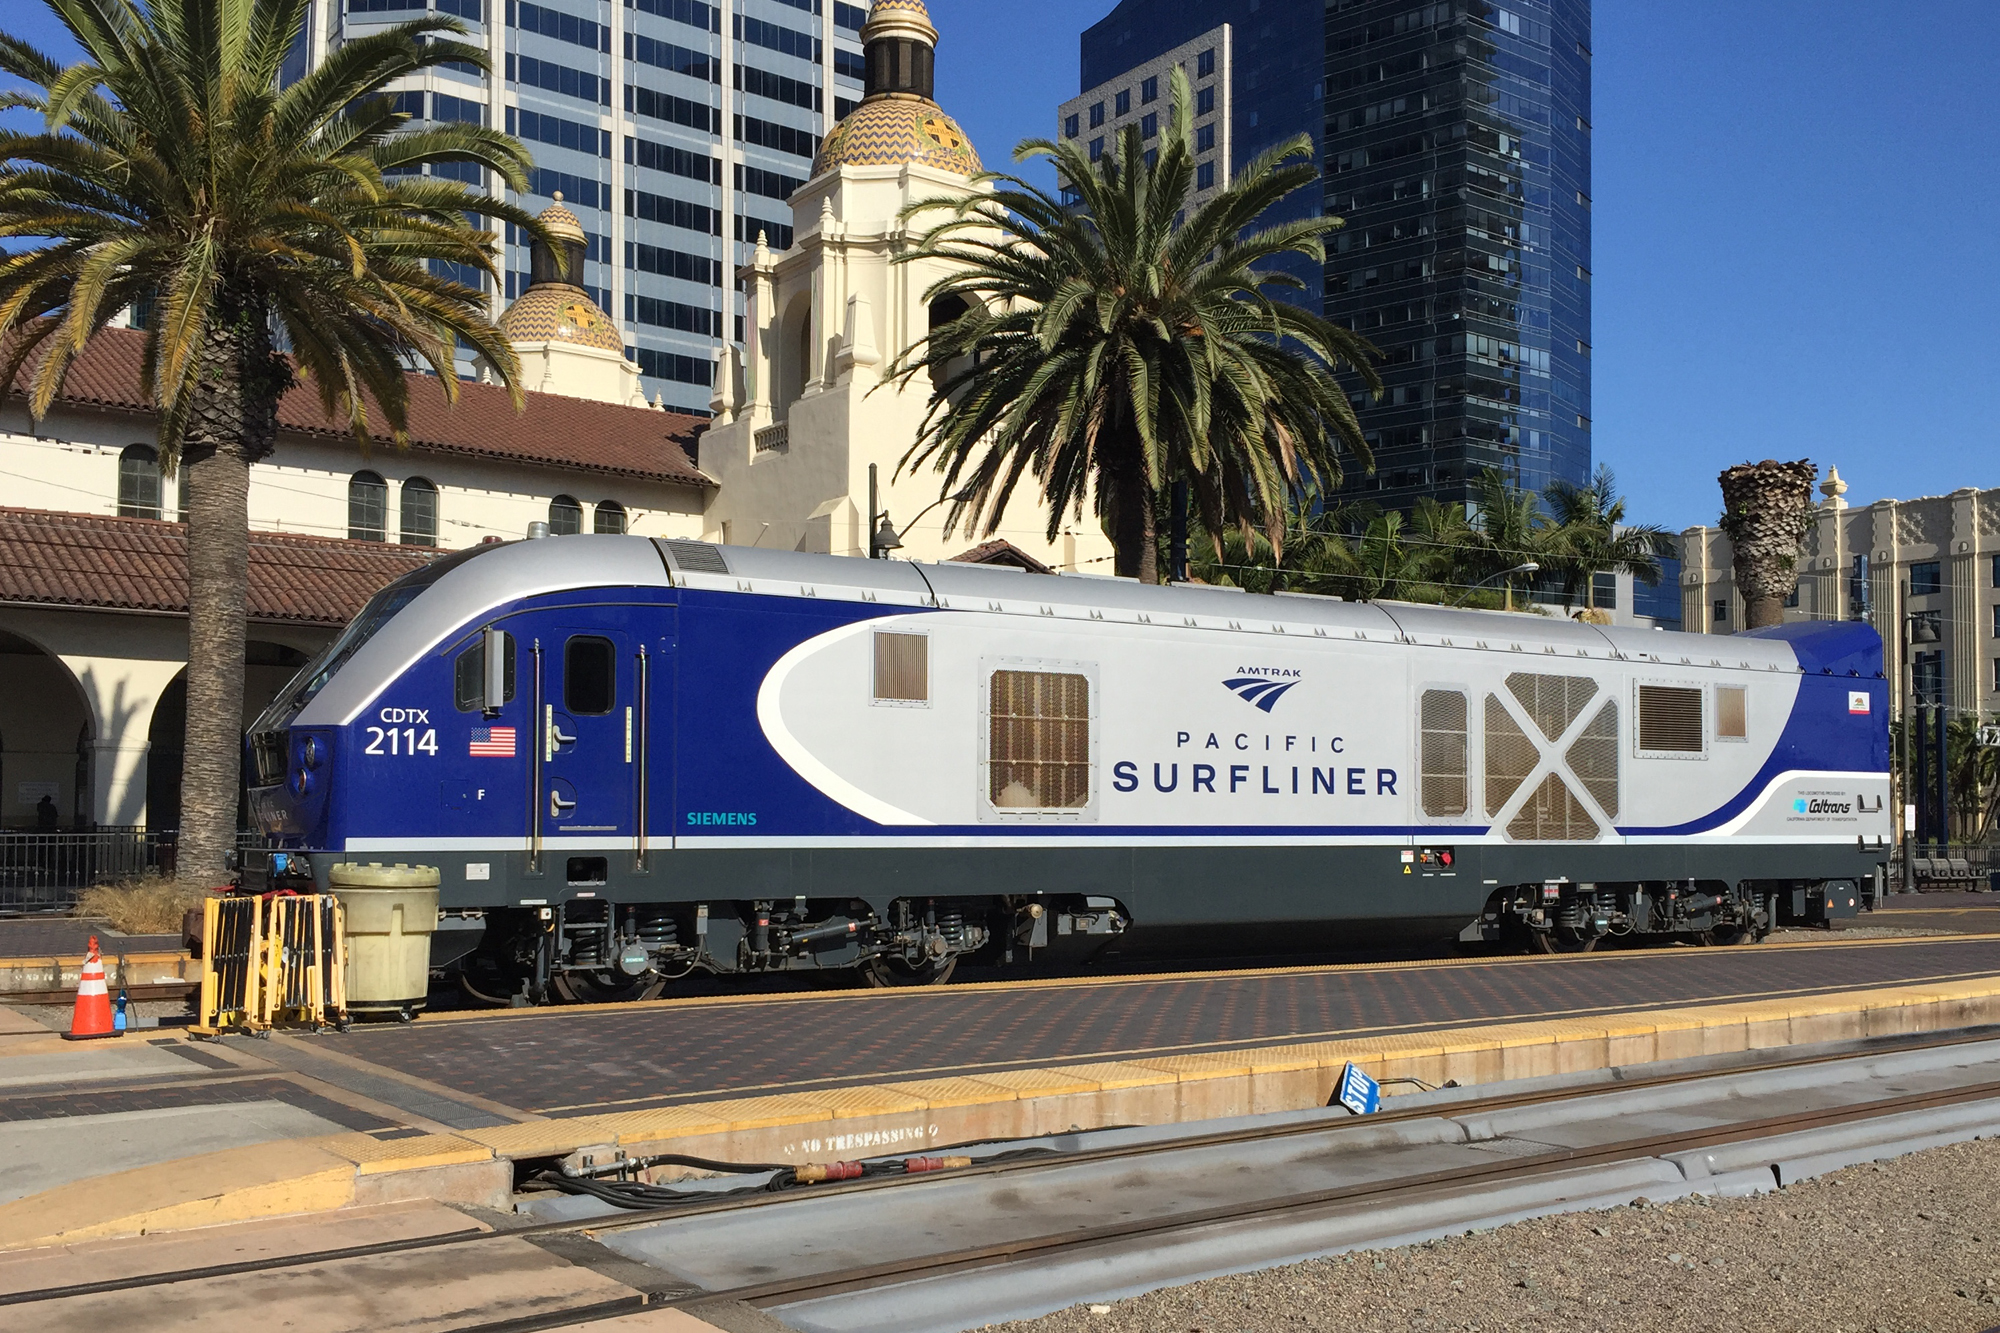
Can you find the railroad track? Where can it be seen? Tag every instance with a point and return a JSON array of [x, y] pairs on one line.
[[1410, 1188]]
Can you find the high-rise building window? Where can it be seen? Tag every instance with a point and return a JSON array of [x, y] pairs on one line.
[[1926, 578], [1721, 610], [1072, 125], [1149, 90], [1204, 64], [565, 516], [367, 508], [139, 482], [609, 517], [1204, 176], [1204, 101], [1204, 138], [1996, 621], [1096, 148], [1122, 104], [419, 513], [1149, 125], [1096, 115]]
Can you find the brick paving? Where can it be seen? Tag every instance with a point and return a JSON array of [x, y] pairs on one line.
[[577, 1061]]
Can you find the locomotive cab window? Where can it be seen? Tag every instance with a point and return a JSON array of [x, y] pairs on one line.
[[468, 686], [1670, 721], [1732, 718], [902, 668], [1038, 740], [590, 676]]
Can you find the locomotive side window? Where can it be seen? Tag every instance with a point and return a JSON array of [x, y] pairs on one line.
[[590, 669], [1732, 716], [1444, 775], [1670, 719], [902, 668], [1038, 753], [468, 685]]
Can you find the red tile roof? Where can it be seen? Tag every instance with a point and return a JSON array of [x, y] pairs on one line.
[[140, 564], [1000, 551], [554, 431]]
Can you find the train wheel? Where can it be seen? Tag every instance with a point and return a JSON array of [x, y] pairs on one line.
[[1731, 933], [1561, 939], [892, 973], [604, 988]]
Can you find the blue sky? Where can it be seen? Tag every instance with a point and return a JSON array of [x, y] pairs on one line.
[[1796, 238]]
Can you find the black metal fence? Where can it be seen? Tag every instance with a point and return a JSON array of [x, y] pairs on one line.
[[44, 872]]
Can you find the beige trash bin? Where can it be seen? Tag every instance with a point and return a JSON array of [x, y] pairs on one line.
[[391, 913]]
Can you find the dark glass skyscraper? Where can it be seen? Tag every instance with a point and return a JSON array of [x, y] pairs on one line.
[[1454, 138], [1458, 150]]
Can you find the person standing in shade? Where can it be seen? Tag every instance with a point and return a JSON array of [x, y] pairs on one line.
[[47, 817]]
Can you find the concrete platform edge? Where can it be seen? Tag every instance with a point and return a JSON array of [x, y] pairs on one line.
[[476, 1166]]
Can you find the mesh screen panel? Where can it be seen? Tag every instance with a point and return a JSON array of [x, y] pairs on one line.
[[1444, 775], [902, 667], [1732, 720], [1553, 701], [1510, 755], [1594, 758], [1552, 814], [1670, 718], [1038, 746]]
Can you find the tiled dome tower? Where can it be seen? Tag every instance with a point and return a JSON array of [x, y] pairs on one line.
[[567, 344], [898, 121]]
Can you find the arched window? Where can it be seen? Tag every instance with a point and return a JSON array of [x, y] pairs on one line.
[[420, 513], [942, 312], [610, 517], [565, 516], [367, 508], [138, 482]]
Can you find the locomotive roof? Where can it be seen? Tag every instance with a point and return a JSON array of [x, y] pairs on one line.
[[487, 577]]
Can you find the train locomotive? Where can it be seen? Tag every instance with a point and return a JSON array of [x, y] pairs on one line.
[[633, 758]]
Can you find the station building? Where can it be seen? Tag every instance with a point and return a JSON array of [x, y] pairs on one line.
[[1933, 561]]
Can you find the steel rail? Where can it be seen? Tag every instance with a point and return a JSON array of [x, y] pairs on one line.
[[651, 1216]]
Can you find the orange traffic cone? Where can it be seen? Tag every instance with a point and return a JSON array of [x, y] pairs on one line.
[[93, 1003]]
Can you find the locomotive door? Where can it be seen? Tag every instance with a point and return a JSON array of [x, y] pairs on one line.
[[589, 738]]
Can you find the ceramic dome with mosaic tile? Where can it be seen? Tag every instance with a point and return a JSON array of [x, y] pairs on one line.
[[556, 308], [897, 121]]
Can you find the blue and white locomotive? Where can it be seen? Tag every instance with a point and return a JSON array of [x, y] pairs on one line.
[[631, 758]]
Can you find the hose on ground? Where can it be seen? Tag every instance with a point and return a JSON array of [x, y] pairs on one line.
[[638, 1194]]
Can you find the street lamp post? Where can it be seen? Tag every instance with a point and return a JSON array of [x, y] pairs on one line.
[[1525, 567]]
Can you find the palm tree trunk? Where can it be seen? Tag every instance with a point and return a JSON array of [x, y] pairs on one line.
[[1134, 535], [1766, 509], [231, 423]]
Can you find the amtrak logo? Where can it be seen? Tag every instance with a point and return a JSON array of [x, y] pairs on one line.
[[1261, 686]]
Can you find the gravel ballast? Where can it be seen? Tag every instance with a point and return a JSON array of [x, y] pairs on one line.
[[1906, 1246]]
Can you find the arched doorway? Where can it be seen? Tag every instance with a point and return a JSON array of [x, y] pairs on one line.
[[45, 735]]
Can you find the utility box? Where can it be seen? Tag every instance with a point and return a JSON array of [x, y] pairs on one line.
[[391, 913]]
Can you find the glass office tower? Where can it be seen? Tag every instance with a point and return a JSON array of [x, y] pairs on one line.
[[675, 130], [1274, 76], [1458, 150]]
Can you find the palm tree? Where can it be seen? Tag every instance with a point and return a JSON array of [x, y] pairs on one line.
[[1767, 510], [1117, 345], [171, 169], [1509, 529], [1592, 537]]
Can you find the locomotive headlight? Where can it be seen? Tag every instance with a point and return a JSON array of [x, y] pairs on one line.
[[312, 753], [302, 781]]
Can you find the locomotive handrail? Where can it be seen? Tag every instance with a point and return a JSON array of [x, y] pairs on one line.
[[535, 772]]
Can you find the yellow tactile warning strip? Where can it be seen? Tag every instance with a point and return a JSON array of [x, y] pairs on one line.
[[914, 1115], [1151, 978]]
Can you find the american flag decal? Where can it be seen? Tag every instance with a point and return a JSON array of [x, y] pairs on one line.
[[497, 742]]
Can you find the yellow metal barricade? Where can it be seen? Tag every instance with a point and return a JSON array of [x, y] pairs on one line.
[[273, 960]]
